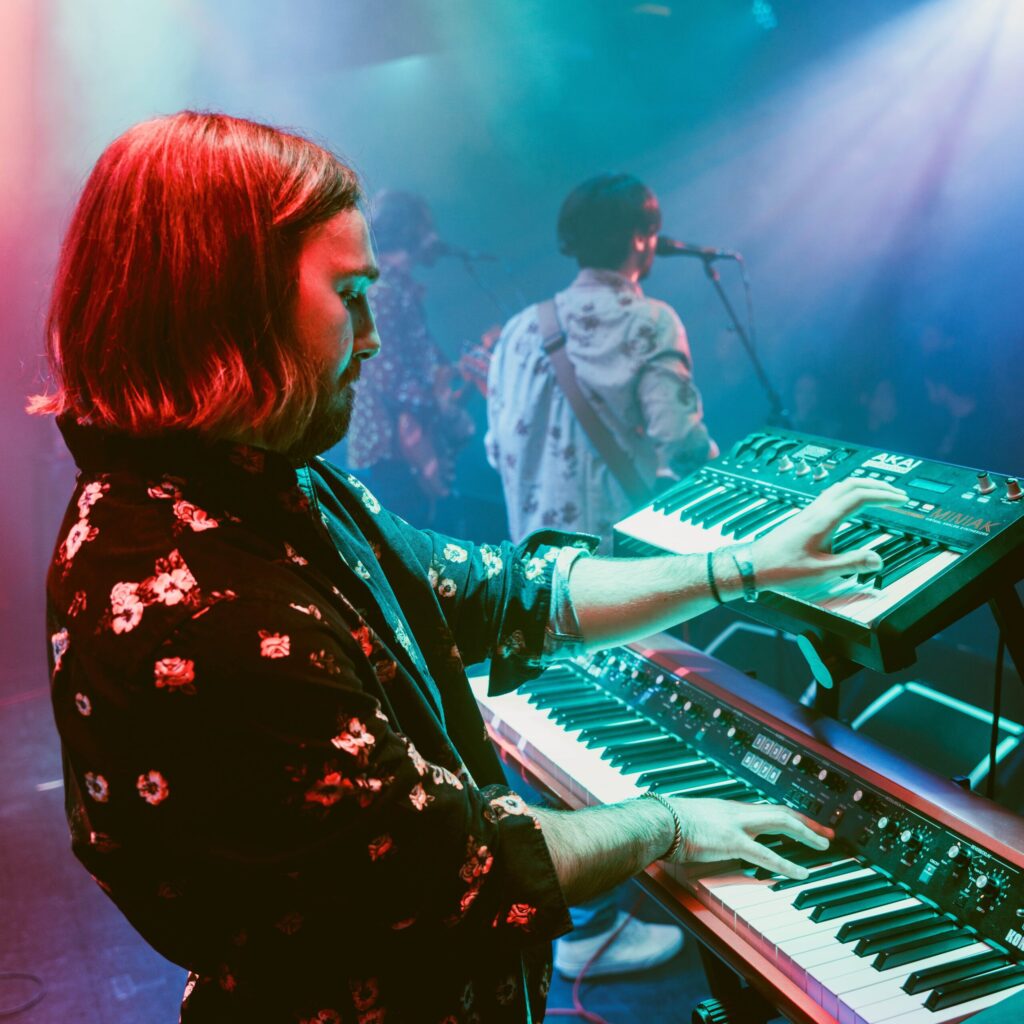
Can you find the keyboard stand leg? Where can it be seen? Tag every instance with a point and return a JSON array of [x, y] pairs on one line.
[[742, 1004], [1008, 612], [829, 670]]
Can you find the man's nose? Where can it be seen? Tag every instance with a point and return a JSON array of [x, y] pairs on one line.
[[366, 343]]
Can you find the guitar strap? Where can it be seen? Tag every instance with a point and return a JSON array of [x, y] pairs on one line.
[[621, 466]]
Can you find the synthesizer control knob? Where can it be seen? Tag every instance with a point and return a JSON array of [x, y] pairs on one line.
[[785, 464], [1013, 491], [803, 467], [820, 473], [959, 856], [984, 484], [988, 887]]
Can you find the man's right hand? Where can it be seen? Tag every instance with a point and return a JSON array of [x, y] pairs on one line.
[[715, 830], [798, 555]]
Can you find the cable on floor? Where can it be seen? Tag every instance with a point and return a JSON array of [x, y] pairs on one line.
[[578, 1009]]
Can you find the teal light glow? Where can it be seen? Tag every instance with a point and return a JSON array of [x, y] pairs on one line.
[[764, 15], [1006, 725]]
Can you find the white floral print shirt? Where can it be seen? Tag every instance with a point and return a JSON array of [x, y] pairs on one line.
[[633, 364]]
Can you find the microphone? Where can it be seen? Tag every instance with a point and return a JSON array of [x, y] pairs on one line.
[[670, 247], [436, 249]]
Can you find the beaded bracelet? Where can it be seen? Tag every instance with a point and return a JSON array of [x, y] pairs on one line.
[[677, 838], [712, 585]]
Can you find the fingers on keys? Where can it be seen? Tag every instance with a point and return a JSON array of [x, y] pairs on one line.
[[786, 822], [847, 497], [760, 856]]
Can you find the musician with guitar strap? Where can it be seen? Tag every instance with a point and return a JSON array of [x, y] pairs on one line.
[[591, 400], [591, 408]]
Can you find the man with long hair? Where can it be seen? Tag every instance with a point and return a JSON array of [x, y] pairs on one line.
[[273, 762]]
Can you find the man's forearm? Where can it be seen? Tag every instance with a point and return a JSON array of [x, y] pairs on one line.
[[598, 848], [618, 600]]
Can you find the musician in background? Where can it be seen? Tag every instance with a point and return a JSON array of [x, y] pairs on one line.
[[631, 360], [633, 366], [409, 424], [273, 762]]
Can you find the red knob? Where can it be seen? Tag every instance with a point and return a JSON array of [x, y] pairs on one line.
[[1013, 491], [984, 484]]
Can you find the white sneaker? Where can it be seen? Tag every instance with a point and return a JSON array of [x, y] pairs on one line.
[[637, 947]]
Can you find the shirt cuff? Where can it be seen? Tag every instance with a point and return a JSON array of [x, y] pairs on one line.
[[563, 637]]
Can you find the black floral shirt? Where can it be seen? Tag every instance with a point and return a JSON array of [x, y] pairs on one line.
[[274, 765]]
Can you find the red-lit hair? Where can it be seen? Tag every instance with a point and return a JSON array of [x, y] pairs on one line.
[[173, 298]]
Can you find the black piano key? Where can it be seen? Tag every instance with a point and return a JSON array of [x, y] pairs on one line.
[[737, 791], [896, 543], [806, 856], [677, 497], [958, 992], [704, 510], [554, 698], [675, 781], [555, 675], [830, 869], [758, 518], [924, 948], [647, 754], [849, 887], [893, 549], [854, 537], [908, 931], [911, 553], [712, 785], [599, 735], [884, 924], [742, 520], [656, 775], [574, 717], [733, 508], [684, 762], [709, 500], [959, 970], [586, 707], [768, 529], [886, 579], [843, 907]]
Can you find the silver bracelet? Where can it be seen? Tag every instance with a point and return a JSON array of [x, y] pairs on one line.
[[677, 838]]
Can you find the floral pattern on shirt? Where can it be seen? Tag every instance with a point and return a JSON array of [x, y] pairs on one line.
[[632, 361]]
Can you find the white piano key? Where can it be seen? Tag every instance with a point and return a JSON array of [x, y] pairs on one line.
[[792, 940], [583, 766], [762, 901], [891, 991], [922, 1015]]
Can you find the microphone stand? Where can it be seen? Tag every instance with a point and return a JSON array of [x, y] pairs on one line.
[[779, 415]]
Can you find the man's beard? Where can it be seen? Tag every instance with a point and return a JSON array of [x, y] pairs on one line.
[[330, 420]]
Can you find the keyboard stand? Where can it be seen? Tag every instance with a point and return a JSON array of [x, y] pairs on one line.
[[1008, 612], [828, 669]]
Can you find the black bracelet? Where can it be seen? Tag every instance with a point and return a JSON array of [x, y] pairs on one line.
[[711, 579]]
